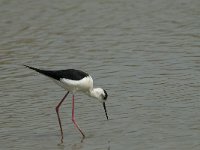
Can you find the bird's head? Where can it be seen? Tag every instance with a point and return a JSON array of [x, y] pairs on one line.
[[102, 96]]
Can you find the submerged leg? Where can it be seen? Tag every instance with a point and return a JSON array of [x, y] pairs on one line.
[[57, 111], [74, 120]]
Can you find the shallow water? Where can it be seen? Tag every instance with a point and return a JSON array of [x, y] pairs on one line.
[[146, 54]]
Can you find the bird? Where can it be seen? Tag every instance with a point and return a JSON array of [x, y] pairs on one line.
[[73, 81]]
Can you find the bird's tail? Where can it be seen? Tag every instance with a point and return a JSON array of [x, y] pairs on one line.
[[38, 70], [49, 73], [44, 72]]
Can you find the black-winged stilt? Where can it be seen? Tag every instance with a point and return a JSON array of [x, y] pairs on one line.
[[74, 80]]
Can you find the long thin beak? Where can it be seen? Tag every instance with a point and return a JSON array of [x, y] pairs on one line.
[[104, 106]]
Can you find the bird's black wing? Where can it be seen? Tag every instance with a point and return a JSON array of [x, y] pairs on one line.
[[71, 74]]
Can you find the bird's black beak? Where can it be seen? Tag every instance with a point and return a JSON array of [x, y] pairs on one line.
[[104, 106]]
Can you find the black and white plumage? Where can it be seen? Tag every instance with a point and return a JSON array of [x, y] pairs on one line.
[[74, 80]]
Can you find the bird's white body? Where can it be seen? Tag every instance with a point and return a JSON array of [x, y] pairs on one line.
[[84, 85]]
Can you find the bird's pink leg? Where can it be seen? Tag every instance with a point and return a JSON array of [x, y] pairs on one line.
[[57, 111], [74, 120]]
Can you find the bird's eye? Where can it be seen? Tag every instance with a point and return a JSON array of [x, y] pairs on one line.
[[103, 97]]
